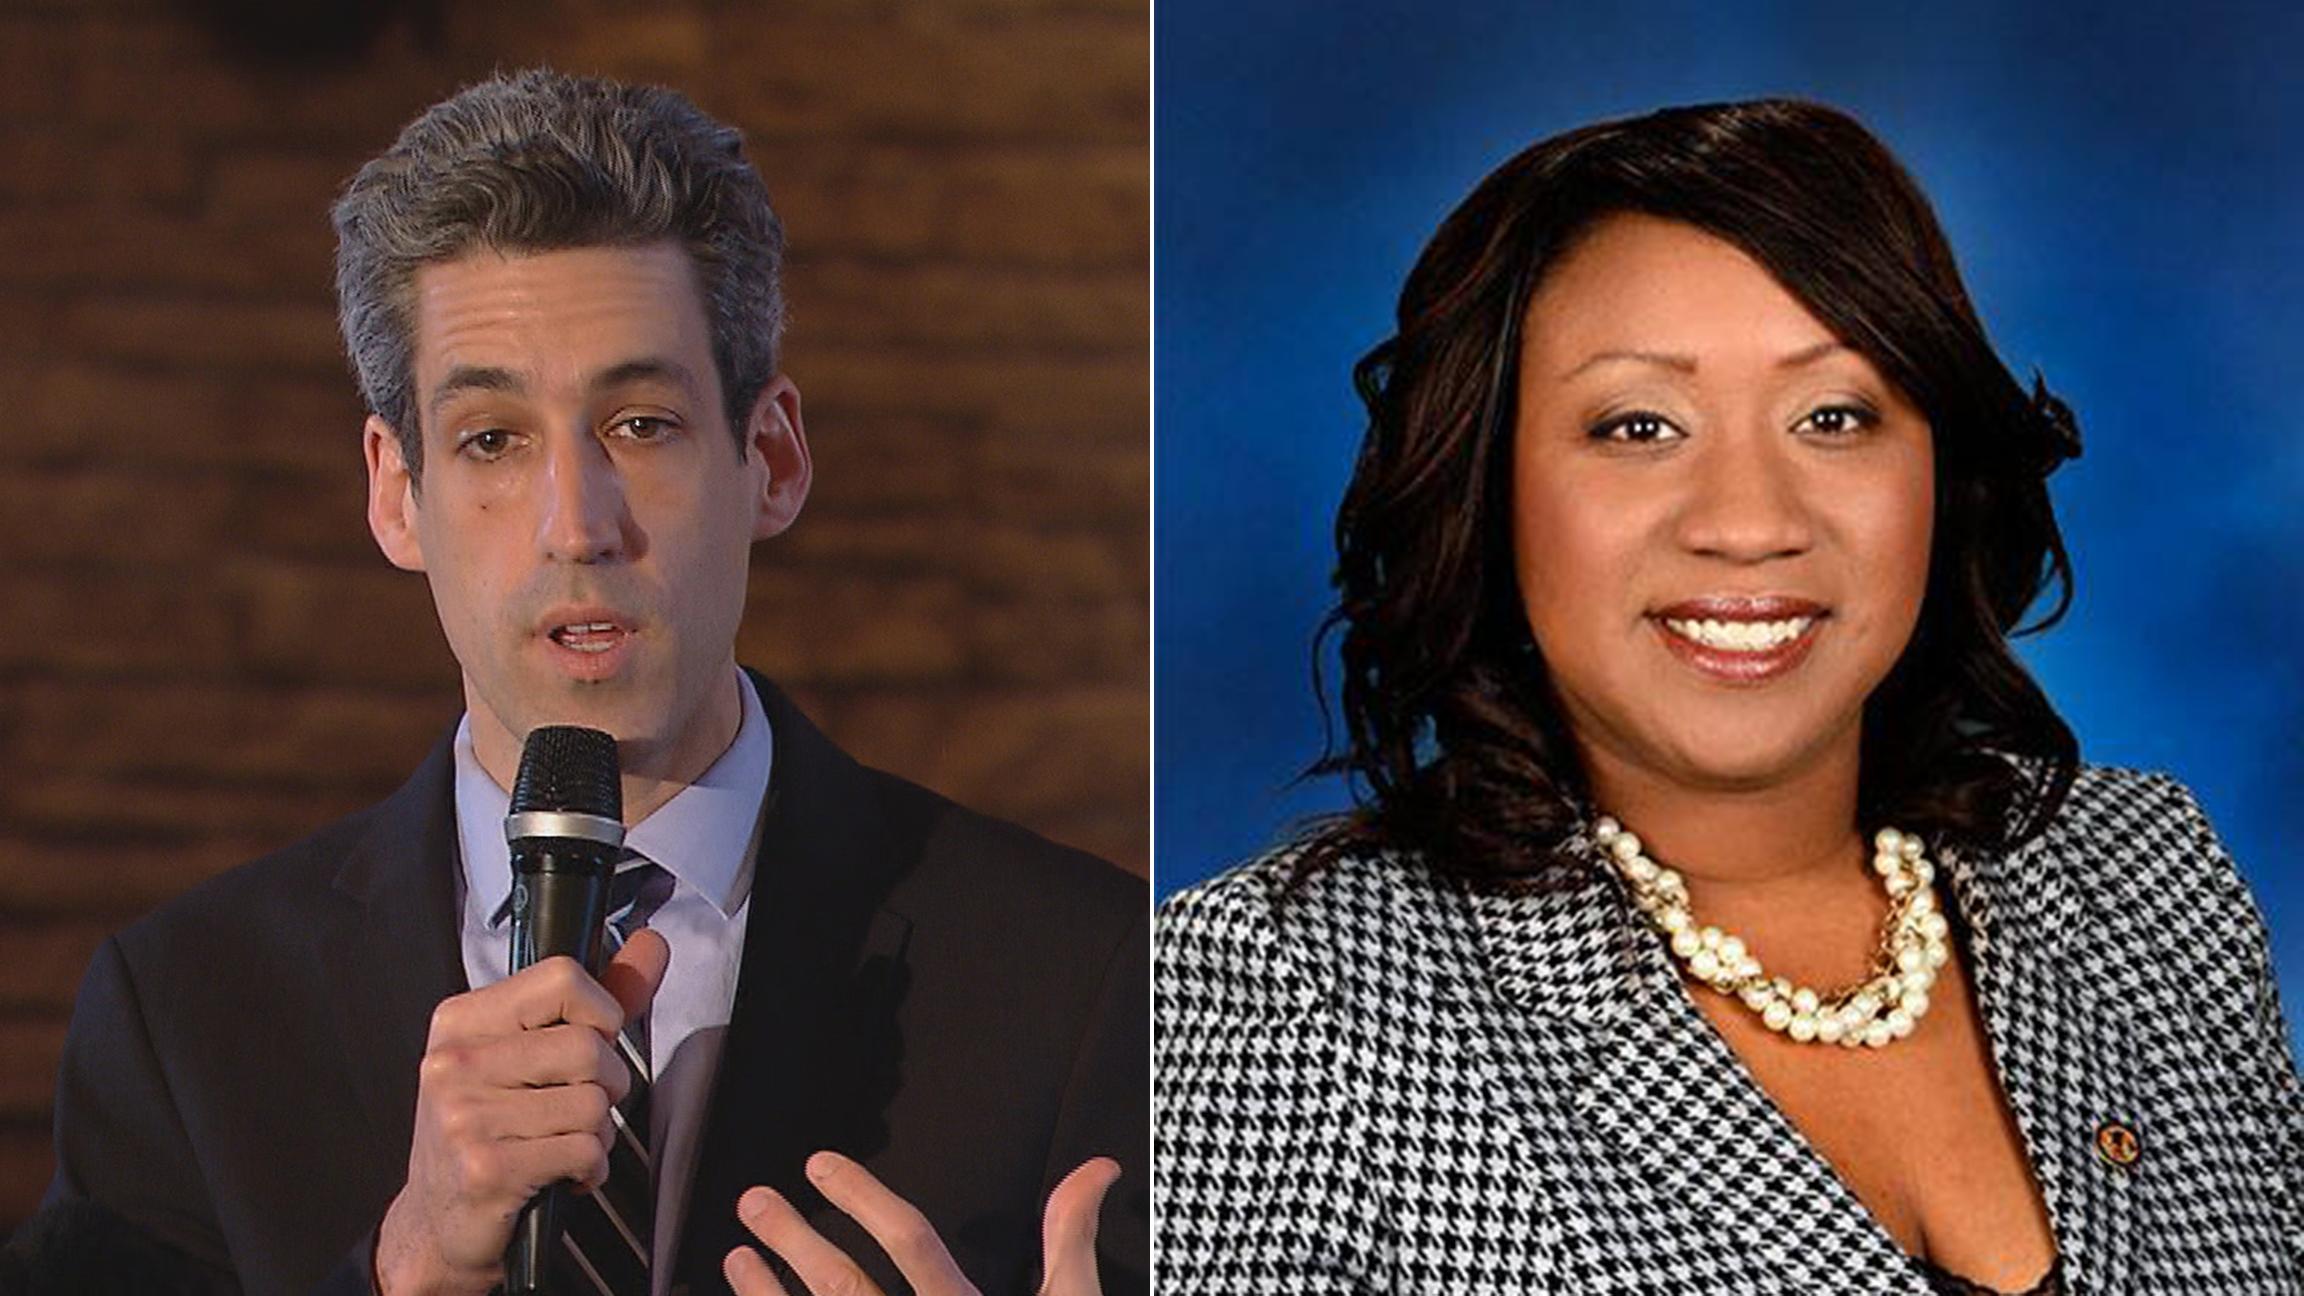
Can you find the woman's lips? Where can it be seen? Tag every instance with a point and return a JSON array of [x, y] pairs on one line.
[[1740, 641]]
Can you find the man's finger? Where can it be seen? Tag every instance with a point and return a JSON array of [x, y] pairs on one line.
[[546, 1055], [820, 1266], [898, 1226], [554, 990], [1068, 1229], [750, 1275], [526, 1166], [557, 989], [540, 1111], [634, 975]]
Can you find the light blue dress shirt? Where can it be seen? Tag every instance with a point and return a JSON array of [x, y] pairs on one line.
[[706, 836]]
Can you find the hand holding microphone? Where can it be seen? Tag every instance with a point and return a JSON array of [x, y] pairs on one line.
[[514, 1092]]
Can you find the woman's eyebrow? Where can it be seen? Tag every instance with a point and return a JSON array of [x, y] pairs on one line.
[[1811, 354], [1687, 363], [1664, 359]]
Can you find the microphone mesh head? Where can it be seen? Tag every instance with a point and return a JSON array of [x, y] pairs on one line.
[[569, 768]]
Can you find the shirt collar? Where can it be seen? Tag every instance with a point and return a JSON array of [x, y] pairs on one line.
[[703, 836]]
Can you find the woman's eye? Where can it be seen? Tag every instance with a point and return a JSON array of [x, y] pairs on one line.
[[1636, 429], [1840, 420]]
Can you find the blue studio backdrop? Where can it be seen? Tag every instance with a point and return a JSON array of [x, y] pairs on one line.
[[2125, 188]]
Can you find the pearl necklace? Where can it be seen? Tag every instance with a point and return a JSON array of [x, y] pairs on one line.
[[1886, 1005]]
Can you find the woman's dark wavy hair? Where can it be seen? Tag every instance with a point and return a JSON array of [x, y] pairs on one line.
[[1454, 740]]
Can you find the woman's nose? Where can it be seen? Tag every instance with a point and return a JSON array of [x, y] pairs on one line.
[[1747, 504]]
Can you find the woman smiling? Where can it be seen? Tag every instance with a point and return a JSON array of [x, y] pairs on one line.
[[1726, 908]]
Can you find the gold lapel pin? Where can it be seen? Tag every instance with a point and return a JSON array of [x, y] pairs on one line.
[[2118, 1144]]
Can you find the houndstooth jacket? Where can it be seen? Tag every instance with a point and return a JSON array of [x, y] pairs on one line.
[[1389, 1082]]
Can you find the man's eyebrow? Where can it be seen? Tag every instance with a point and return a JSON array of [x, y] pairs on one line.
[[646, 369], [489, 378], [464, 378]]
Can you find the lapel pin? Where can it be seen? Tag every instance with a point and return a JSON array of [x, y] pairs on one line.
[[2118, 1145]]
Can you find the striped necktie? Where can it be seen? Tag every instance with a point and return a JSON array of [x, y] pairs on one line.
[[606, 1234]]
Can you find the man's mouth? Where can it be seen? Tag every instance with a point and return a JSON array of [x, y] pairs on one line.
[[589, 636]]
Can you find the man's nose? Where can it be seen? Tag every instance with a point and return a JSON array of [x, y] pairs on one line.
[[1748, 503], [584, 518]]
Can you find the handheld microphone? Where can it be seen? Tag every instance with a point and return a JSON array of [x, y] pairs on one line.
[[566, 830]]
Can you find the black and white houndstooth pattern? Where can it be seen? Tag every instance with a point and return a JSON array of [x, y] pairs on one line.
[[1393, 1083]]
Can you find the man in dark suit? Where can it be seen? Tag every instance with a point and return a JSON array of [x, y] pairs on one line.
[[881, 1035]]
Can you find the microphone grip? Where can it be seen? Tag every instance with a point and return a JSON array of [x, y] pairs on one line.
[[534, 1234], [559, 902]]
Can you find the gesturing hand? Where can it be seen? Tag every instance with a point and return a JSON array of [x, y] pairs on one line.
[[513, 1095], [1067, 1236]]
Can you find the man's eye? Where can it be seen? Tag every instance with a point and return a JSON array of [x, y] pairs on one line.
[[645, 427], [1637, 428], [487, 443], [1840, 420]]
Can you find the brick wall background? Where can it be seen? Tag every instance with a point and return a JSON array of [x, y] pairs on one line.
[[202, 657]]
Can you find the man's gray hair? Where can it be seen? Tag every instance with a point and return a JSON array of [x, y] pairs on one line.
[[538, 161]]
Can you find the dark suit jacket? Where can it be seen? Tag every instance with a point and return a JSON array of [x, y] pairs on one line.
[[955, 1002]]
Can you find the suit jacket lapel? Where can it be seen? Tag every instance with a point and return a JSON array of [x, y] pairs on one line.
[[810, 1056], [1646, 1068], [1639, 1065], [2057, 1044], [393, 951]]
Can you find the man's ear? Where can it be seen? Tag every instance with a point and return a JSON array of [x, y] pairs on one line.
[[391, 496], [776, 452]]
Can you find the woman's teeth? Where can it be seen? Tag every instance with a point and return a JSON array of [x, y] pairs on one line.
[[1740, 636]]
